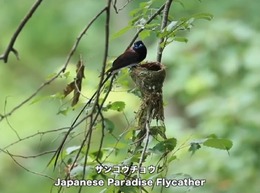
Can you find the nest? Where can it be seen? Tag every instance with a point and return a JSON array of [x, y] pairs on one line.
[[149, 78]]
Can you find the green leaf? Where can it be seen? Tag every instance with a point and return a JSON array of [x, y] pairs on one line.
[[155, 130], [110, 150], [51, 76], [128, 161], [38, 99], [165, 146], [142, 9], [194, 146], [212, 136], [180, 39], [58, 95], [135, 92], [116, 106], [180, 2], [72, 149], [64, 111], [189, 24], [77, 170], [121, 32], [66, 74], [135, 12], [224, 144], [171, 25], [104, 190], [152, 26], [163, 34], [109, 125], [144, 34], [206, 16], [97, 155], [172, 158], [145, 5], [110, 189], [129, 189]]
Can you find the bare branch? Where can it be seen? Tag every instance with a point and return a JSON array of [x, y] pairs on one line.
[[164, 24], [97, 93], [79, 38], [7, 120], [28, 156], [10, 47], [26, 169], [60, 72], [33, 135], [106, 48], [121, 8]]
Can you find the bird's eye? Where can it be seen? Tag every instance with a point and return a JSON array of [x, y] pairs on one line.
[[138, 45]]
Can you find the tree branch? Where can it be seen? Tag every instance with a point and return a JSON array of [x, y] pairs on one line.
[[60, 72], [97, 93], [164, 24], [148, 21], [121, 8], [26, 169], [33, 135], [10, 47]]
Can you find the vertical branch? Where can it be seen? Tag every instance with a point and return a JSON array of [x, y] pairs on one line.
[[74, 124], [97, 93], [106, 47], [93, 121], [146, 135], [164, 24]]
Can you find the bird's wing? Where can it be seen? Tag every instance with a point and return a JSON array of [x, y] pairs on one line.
[[128, 58]]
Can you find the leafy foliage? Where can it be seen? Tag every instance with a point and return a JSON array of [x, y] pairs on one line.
[[171, 32], [212, 83]]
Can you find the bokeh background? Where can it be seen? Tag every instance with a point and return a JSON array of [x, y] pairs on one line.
[[212, 86]]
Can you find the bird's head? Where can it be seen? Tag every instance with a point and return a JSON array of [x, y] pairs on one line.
[[140, 48], [138, 45]]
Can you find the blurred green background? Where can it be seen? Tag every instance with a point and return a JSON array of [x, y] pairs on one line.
[[212, 86]]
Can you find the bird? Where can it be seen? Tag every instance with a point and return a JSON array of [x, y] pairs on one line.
[[131, 57]]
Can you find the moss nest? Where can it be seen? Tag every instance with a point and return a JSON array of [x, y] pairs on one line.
[[149, 78]]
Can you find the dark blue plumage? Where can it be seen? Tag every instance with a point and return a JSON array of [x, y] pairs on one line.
[[131, 57]]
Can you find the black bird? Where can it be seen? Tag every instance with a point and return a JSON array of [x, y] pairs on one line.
[[131, 57]]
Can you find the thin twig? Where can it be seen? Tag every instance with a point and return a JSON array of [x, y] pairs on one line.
[[121, 8], [88, 137], [7, 120], [60, 72], [102, 134], [89, 133], [148, 21], [147, 133], [106, 47], [26, 169], [10, 47], [28, 156], [76, 122], [33, 135], [163, 26], [97, 93]]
